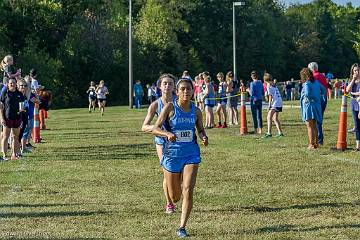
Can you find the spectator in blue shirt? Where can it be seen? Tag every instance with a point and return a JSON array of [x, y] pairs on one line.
[[138, 93], [256, 97]]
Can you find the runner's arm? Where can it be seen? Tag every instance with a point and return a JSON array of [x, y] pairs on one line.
[[147, 127], [200, 128], [165, 114]]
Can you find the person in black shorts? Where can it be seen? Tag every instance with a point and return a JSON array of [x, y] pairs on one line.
[[92, 96]]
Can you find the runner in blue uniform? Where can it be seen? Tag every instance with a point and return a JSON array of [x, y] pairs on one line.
[[166, 84], [221, 107], [181, 155]]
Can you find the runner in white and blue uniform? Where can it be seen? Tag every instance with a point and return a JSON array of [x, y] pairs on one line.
[[92, 96], [166, 83], [181, 156]]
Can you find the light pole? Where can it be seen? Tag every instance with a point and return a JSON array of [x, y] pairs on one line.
[[234, 36], [130, 59]]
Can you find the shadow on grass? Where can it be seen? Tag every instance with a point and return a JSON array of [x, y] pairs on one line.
[[49, 214], [287, 124], [13, 236], [104, 152], [23, 205], [305, 206], [262, 209], [290, 228]]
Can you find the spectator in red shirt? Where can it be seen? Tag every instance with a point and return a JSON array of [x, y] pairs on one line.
[[321, 79]]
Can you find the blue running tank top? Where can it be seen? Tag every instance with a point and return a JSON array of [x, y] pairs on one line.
[[221, 90], [182, 124], [160, 106], [210, 99]]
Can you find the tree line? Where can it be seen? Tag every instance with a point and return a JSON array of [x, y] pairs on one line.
[[71, 43]]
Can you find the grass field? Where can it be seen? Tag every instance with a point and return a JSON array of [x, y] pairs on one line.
[[98, 177]]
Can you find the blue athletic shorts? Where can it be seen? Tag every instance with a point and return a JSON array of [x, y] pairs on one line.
[[160, 140], [176, 164], [28, 129]]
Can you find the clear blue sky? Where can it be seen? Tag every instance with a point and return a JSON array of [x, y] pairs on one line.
[[355, 3]]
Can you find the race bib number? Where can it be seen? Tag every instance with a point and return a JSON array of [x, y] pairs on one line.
[[184, 136]]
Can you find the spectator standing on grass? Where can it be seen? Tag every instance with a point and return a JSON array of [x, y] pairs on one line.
[[232, 91], [34, 81], [181, 156], [186, 74], [310, 104], [221, 107], [209, 101], [293, 89], [22, 87], [31, 99], [288, 90], [197, 95], [149, 93], [354, 89], [337, 89], [256, 96], [7, 67], [166, 84], [138, 94], [200, 93], [11, 118], [322, 80]]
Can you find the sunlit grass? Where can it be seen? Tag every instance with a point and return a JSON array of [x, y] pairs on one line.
[[99, 177]]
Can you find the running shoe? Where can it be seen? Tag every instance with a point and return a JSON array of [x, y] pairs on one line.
[[280, 135], [29, 145], [4, 159], [26, 150], [181, 232], [219, 126], [224, 126], [352, 130], [267, 135], [170, 208]]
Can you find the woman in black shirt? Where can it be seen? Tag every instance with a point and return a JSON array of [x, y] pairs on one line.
[[11, 117]]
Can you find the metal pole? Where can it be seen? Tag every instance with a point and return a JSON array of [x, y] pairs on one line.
[[234, 43], [130, 59]]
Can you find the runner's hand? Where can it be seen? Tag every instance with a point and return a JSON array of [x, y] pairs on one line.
[[171, 137], [205, 141]]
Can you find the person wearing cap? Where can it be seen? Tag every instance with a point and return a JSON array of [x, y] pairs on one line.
[[181, 155]]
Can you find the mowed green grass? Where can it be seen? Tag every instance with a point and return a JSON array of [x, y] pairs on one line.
[[99, 177]]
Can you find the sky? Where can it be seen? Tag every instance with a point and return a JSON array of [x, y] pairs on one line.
[[355, 3]]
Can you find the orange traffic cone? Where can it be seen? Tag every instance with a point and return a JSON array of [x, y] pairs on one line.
[[36, 129], [341, 143], [243, 124], [42, 119]]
